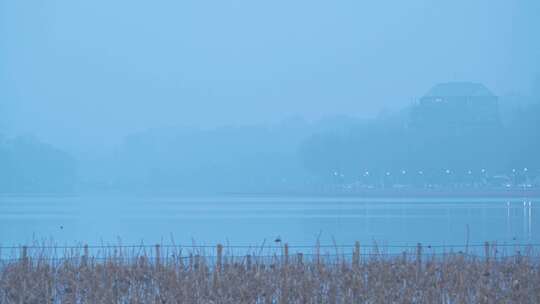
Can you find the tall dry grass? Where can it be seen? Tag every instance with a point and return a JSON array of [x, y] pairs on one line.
[[173, 275]]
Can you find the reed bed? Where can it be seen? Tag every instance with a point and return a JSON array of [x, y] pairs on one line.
[[160, 274]]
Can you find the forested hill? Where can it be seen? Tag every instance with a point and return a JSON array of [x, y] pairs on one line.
[[30, 166]]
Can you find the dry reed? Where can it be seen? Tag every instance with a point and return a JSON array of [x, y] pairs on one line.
[[172, 275]]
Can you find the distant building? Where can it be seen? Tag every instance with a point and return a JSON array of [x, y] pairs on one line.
[[456, 105]]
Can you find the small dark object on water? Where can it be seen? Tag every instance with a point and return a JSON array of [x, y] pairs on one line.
[[278, 239], [61, 227]]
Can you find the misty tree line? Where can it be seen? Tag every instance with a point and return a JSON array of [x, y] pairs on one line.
[[392, 149], [293, 155], [28, 165]]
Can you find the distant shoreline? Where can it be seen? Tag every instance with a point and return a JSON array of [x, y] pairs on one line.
[[365, 193], [411, 193]]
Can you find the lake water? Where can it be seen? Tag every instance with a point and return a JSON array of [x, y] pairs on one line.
[[250, 220]]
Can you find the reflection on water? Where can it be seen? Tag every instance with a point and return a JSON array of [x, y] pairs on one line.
[[250, 220]]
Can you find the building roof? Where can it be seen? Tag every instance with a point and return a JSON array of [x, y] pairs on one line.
[[459, 89]]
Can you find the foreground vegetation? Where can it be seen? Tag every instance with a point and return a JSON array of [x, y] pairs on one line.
[[172, 275]]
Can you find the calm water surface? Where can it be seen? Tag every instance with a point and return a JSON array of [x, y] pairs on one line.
[[243, 220]]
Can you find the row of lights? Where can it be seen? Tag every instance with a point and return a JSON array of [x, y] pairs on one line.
[[420, 172]]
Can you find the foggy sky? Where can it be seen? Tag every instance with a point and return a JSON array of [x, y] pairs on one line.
[[87, 73]]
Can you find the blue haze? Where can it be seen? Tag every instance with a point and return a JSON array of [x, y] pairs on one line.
[[112, 111], [82, 75]]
